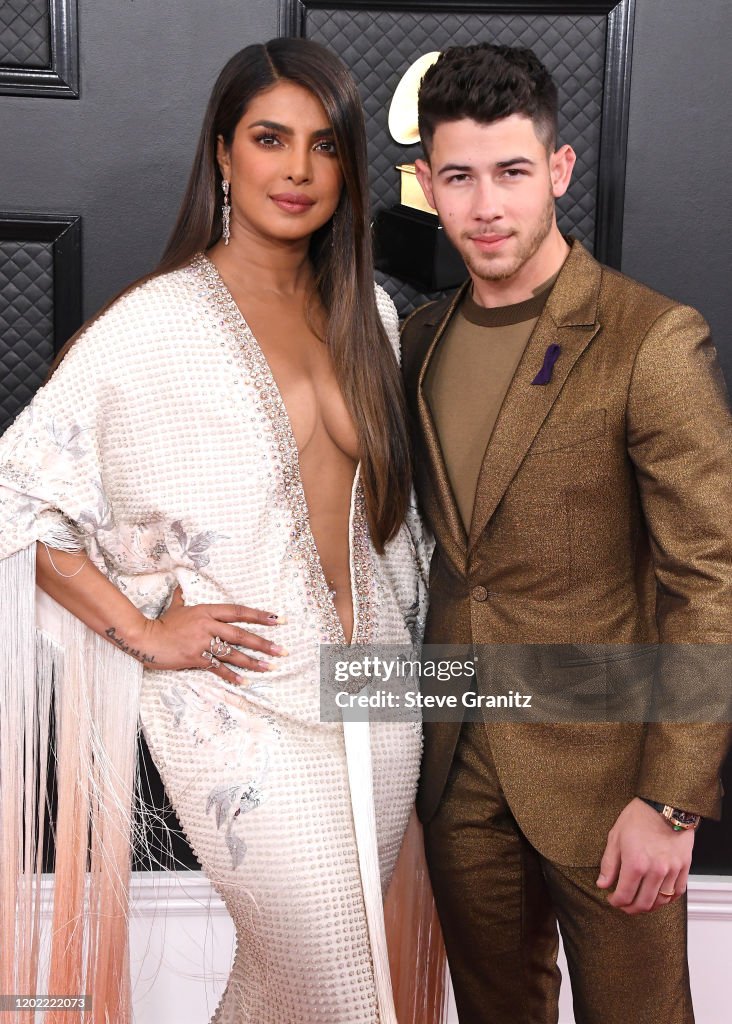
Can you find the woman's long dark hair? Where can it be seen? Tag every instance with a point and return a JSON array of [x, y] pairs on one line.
[[340, 251]]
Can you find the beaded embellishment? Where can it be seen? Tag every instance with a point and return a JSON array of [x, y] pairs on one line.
[[255, 370]]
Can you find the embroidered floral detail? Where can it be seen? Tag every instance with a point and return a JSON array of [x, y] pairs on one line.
[[187, 702], [422, 546], [65, 438], [229, 803], [260, 689], [59, 450], [140, 547], [413, 619], [60, 461], [99, 518], [242, 738], [150, 552], [254, 367], [175, 702], [194, 548]]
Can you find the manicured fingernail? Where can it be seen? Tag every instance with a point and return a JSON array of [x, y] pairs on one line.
[[279, 619], [265, 665], [282, 651]]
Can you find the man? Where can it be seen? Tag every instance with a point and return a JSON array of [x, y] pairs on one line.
[[572, 451]]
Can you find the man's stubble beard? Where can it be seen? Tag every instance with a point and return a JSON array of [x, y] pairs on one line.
[[489, 268]]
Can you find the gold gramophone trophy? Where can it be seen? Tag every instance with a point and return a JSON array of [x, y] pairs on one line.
[[409, 239]]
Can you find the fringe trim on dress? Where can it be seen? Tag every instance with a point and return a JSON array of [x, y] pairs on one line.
[[416, 947], [94, 691], [55, 672]]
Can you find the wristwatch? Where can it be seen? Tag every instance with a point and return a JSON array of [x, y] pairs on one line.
[[680, 821]]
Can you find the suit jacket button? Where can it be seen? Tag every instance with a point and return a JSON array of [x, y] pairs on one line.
[[479, 593]]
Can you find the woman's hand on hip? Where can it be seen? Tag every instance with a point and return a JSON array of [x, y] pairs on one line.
[[203, 636]]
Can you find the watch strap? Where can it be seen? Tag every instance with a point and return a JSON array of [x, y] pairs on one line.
[[680, 821]]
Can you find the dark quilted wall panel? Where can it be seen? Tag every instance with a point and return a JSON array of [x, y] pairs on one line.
[[25, 28], [26, 323], [378, 46]]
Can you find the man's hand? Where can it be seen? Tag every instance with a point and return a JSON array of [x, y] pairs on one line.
[[646, 859]]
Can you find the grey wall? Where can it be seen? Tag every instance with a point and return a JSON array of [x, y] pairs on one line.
[[678, 202], [120, 155]]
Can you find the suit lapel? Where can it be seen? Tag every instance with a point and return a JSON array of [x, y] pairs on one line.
[[568, 320], [439, 501]]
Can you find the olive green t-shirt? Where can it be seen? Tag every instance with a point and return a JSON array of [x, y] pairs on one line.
[[467, 380]]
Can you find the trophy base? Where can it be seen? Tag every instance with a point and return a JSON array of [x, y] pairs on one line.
[[413, 246]]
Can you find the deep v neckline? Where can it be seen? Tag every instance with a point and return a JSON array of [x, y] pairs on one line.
[[257, 372]]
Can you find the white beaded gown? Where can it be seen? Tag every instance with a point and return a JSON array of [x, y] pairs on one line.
[[163, 447]]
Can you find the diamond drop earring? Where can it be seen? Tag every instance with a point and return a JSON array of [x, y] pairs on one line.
[[225, 213]]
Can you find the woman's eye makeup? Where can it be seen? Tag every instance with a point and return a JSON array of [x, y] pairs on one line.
[[269, 140], [266, 138]]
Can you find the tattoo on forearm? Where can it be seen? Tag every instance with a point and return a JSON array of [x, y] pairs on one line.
[[124, 646]]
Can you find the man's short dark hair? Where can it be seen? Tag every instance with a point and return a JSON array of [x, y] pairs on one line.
[[486, 83]]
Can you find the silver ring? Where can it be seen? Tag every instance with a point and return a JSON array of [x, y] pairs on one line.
[[219, 647], [208, 656]]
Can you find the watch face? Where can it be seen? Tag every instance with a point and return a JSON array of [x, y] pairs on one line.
[[682, 818]]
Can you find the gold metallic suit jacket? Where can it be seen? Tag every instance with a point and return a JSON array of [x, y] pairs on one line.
[[602, 515]]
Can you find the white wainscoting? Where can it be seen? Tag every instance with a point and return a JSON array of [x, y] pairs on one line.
[[182, 944], [710, 952]]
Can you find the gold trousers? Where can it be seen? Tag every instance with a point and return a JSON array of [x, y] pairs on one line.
[[500, 901]]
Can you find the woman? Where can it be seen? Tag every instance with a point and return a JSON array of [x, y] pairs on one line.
[[228, 436]]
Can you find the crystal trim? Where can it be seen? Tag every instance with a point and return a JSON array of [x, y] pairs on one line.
[[256, 370]]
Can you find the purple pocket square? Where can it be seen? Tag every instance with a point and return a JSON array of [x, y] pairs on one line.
[[550, 357]]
